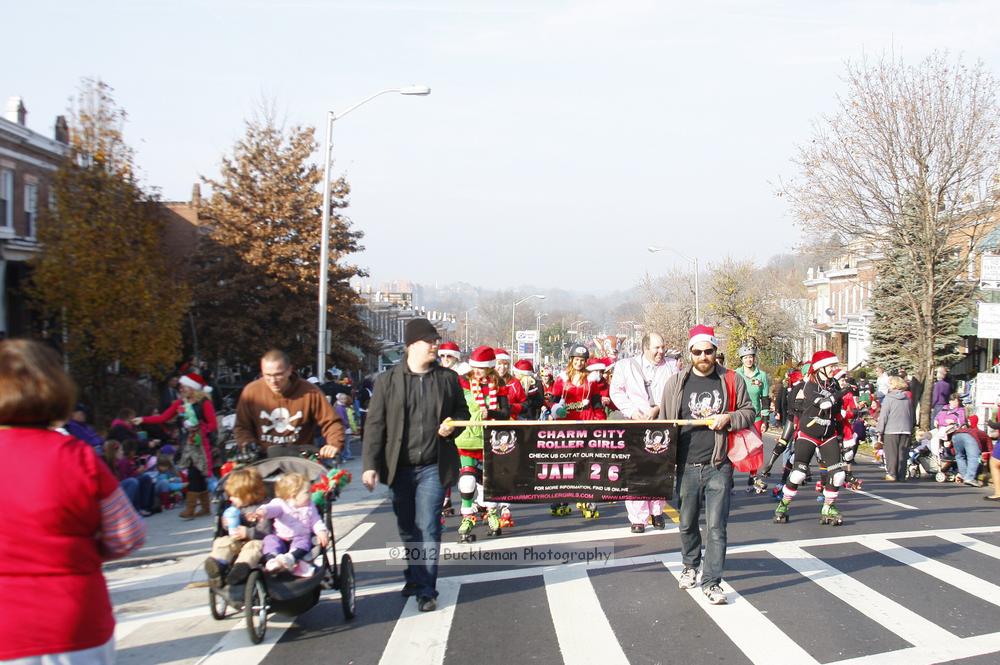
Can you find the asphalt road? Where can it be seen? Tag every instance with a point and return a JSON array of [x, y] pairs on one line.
[[907, 579]]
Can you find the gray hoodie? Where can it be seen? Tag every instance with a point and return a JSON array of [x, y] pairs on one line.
[[896, 416]]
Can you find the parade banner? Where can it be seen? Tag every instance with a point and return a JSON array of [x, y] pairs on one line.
[[595, 460]]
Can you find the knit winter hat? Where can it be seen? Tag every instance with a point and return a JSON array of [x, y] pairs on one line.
[[449, 349], [501, 354], [420, 330], [194, 382], [702, 334], [523, 367], [822, 359], [483, 357]]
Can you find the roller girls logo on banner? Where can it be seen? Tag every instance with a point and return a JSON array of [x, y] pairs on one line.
[[543, 462]]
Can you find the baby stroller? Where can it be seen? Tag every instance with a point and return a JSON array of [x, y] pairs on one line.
[[263, 593], [933, 456]]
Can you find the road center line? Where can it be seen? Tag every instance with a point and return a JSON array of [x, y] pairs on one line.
[[882, 498]]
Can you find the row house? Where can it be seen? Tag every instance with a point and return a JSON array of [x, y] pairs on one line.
[[386, 313], [28, 161], [838, 309]]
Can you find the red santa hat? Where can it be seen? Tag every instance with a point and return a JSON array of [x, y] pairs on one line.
[[702, 334], [483, 357], [841, 373], [794, 376], [449, 349], [501, 354], [596, 365], [524, 367], [822, 359], [194, 382]]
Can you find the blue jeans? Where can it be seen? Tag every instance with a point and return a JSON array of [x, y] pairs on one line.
[[708, 487], [967, 454], [417, 495]]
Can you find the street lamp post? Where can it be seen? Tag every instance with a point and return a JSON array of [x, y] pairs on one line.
[[538, 342], [697, 308], [513, 326], [324, 245], [467, 327]]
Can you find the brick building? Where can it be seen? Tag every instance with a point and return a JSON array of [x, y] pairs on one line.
[[839, 311], [27, 162]]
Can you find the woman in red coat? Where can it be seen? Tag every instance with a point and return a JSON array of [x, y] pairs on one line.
[[574, 393], [515, 391], [196, 416], [64, 516]]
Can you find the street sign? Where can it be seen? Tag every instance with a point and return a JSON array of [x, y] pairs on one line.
[[989, 273], [987, 389], [989, 321]]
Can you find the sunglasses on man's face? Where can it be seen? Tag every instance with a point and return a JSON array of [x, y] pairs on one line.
[[698, 352]]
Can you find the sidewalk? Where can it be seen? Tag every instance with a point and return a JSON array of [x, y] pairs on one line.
[[159, 592]]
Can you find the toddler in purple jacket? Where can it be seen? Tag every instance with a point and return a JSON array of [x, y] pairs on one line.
[[295, 521]]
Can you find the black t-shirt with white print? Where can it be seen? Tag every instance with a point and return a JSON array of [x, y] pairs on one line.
[[702, 398]]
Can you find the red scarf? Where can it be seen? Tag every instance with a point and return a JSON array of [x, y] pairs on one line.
[[491, 401]]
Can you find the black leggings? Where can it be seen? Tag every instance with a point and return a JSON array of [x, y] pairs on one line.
[[829, 454], [196, 480]]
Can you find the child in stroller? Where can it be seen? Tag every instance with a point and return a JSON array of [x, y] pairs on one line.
[[932, 455], [261, 592], [295, 520], [243, 537]]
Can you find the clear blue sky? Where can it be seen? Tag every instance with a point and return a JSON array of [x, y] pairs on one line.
[[598, 126]]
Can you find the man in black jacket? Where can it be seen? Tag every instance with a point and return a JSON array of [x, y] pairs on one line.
[[408, 447]]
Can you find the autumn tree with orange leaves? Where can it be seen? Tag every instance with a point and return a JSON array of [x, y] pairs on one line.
[[257, 269], [101, 279]]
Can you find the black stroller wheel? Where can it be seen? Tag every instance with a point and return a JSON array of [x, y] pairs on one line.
[[347, 597], [256, 607], [218, 604]]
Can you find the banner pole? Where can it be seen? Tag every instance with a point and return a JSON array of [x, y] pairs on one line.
[[560, 423]]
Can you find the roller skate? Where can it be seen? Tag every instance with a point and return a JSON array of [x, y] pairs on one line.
[[759, 485], [506, 519], [447, 510], [465, 534], [781, 512], [493, 523], [853, 483], [819, 486], [589, 510], [778, 492], [658, 522], [830, 515], [559, 510]]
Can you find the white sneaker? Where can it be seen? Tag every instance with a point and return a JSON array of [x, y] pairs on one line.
[[287, 560], [689, 578], [715, 594], [272, 565]]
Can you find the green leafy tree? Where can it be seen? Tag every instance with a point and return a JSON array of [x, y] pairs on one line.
[[257, 274], [906, 166], [101, 276]]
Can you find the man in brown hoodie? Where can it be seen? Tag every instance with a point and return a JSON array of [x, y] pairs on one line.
[[281, 409]]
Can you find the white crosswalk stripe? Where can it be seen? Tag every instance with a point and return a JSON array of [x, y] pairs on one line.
[[585, 635]]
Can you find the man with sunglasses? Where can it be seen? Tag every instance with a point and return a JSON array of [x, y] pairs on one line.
[[704, 472]]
